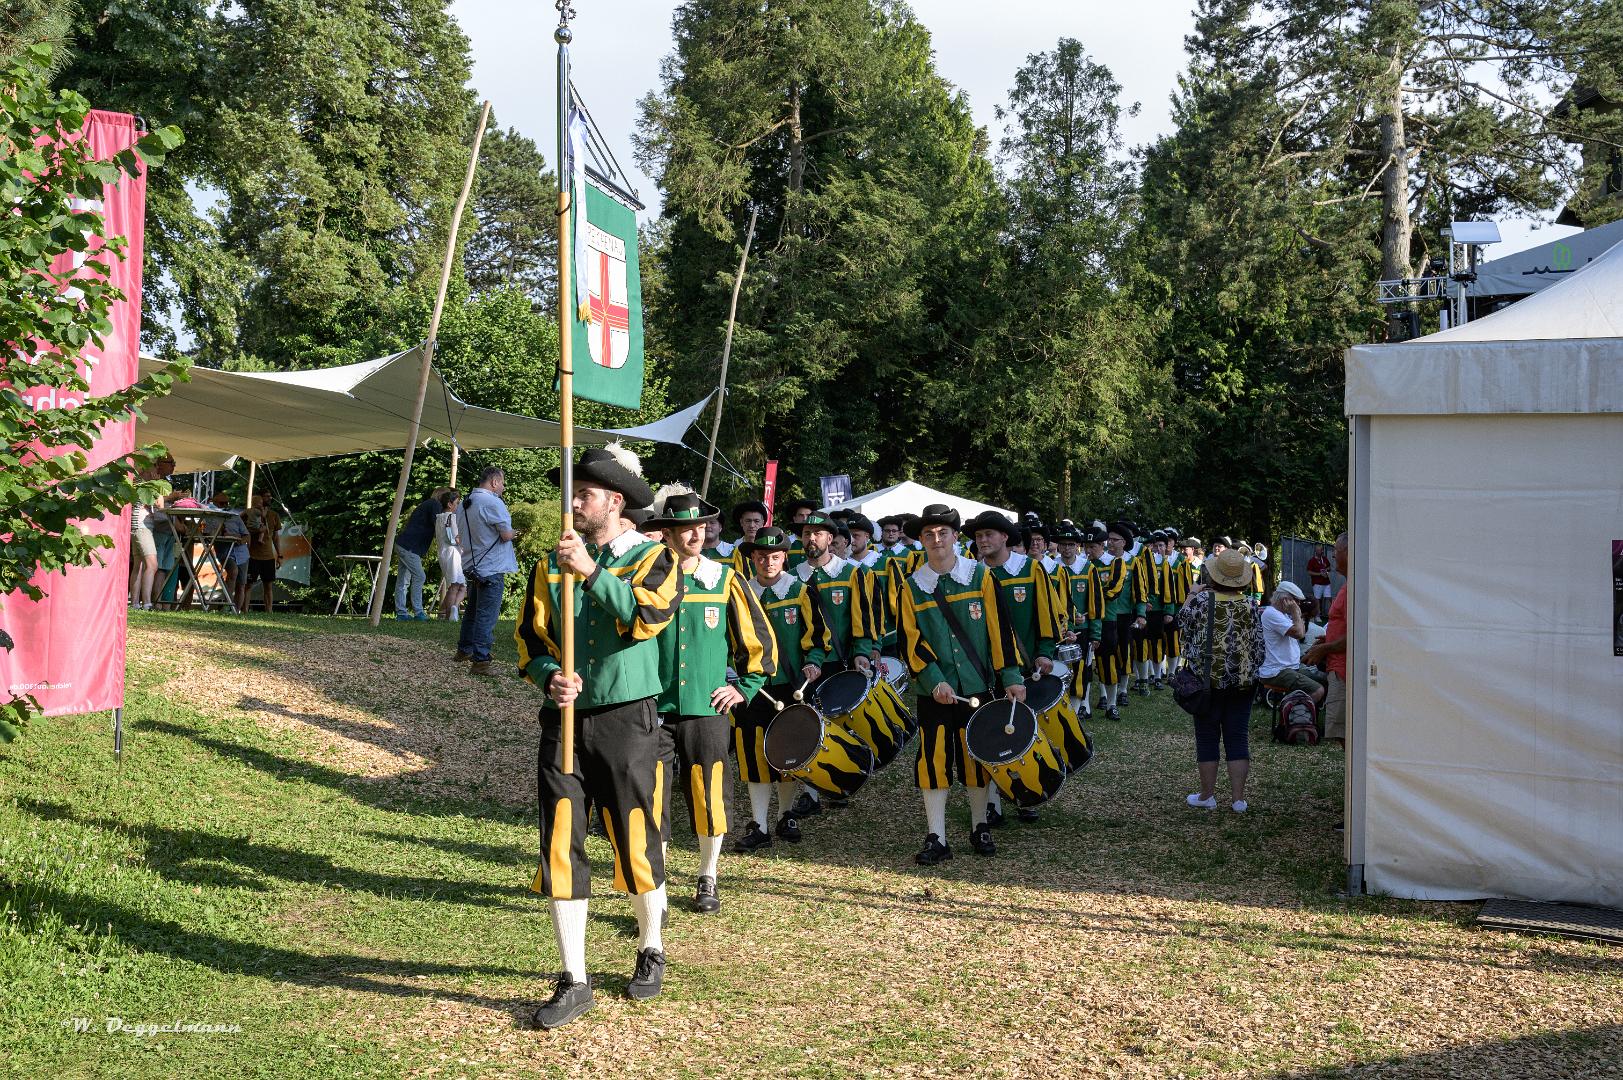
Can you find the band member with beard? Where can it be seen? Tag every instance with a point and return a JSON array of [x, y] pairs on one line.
[[718, 623], [948, 666], [802, 642], [795, 512], [626, 594], [844, 592]]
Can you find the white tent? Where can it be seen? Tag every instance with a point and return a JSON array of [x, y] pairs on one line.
[[1485, 751], [1537, 268], [286, 415], [908, 497]]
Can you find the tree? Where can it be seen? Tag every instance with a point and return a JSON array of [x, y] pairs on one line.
[[47, 486], [515, 210]]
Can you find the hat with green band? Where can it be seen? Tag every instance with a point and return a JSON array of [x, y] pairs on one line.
[[683, 509]]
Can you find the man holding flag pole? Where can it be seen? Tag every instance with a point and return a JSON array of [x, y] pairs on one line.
[[629, 590]]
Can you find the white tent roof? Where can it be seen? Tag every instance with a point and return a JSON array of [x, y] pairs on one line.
[[287, 415], [908, 497], [1538, 268], [1558, 351]]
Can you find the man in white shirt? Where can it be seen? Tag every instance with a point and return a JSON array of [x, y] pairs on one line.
[[1282, 631]]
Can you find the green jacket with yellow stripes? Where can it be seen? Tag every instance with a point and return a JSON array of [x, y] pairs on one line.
[[800, 632], [845, 592], [628, 601], [929, 647], [1028, 597], [718, 623], [1082, 585]]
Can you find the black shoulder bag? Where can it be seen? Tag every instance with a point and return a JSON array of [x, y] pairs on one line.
[[1192, 692]]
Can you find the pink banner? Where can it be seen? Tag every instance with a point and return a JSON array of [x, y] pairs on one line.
[[70, 646], [769, 490]]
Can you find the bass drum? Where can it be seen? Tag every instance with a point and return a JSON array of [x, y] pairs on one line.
[[869, 708], [800, 744], [1004, 736], [1050, 698]]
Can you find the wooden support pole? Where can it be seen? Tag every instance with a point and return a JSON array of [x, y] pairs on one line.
[[726, 354]]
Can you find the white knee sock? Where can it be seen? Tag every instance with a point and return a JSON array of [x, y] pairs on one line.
[[786, 795], [978, 798], [992, 798], [650, 909], [760, 803], [812, 793], [709, 855], [569, 927], [935, 813]]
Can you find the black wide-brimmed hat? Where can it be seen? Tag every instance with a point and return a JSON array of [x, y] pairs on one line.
[[792, 505], [770, 538], [748, 505], [613, 467], [638, 516], [893, 519], [991, 519], [684, 508], [1067, 533], [819, 520], [1123, 529], [857, 522], [934, 514]]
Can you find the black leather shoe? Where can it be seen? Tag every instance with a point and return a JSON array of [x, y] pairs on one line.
[[1121, 700], [705, 901], [1156, 683], [1113, 714], [1027, 815], [994, 817], [568, 1002], [805, 806], [789, 828], [933, 851], [1144, 689], [754, 838], [649, 975], [981, 840]]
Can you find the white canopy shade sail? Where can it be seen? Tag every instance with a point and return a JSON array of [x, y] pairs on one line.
[[288, 415], [910, 498]]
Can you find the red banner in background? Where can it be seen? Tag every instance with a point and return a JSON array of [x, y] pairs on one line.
[[70, 646], [770, 489]]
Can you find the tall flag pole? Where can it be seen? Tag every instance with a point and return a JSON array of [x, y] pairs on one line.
[[566, 373]]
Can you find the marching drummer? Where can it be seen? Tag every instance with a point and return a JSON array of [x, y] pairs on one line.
[[957, 647], [1028, 600], [802, 640], [844, 593], [719, 621]]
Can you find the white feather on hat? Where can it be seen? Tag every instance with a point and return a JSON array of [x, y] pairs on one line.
[[664, 493], [625, 458]]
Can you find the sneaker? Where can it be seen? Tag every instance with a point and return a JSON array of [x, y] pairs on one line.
[[461, 657], [401, 616], [754, 838], [1240, 806], [649, 975], [1198, 803], [994, 817], [568, 1001], [705, 901], [482, 667], [1121, 700], [933, 851], [805, 806], [1144, 689], [1027, 815], [421, 616], [789, 828], [981, 840], [1156, 683], [1113, 713]]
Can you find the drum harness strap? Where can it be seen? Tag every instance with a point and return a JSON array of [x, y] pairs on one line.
[[963, 639]]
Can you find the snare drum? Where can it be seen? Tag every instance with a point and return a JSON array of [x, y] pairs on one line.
[[895, 673], [1004, 736], [869, 708], [1070, 655], [799, 743], [1050, 698]]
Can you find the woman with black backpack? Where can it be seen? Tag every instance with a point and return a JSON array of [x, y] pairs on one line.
[[1223, 647]]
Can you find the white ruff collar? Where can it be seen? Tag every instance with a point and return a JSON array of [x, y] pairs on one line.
[[724, 549], [1105, 558], [1159, 559], [869, 558], [833, 568], [1137, 547], [708, 572], [625, 542], [1015, 563], [1172, 560], [1077, 566], [897, 548], [963, 572], [779, 588]]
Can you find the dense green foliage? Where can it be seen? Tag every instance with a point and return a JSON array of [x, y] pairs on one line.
[[48, 485]]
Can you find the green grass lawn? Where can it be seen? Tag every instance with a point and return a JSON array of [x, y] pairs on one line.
[[322, 837]]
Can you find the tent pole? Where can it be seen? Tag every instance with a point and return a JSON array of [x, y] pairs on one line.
[[566, 386], [375, 611], [456, 454], [726, 354], [252, 467]]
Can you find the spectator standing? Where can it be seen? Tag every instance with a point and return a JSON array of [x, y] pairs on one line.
[[1318, 575], [264, 550], [488, 557], [1333, 651], [232, 549], [1234, 649], [448, 540], [409, 548], [1283, 628]]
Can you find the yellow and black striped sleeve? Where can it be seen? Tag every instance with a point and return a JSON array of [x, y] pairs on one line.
[[749, 635], [644, 601], [1000, 636], [816, 642], [535, 633], [921, 658], [866, 626], [1048, 621]]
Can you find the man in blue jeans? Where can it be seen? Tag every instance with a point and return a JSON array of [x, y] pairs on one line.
[[410, 547], [487, 559]]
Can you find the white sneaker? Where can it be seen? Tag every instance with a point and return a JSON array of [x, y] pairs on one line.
[[1240, 806], [1198, 803]]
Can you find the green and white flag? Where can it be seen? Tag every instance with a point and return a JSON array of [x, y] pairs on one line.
[[607, 347]]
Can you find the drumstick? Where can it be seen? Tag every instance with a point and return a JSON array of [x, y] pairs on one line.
[[778, 705], [801, 693], [972, 702], [1008, 728]]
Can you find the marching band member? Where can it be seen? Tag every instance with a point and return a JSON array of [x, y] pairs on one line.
[[626, 594], [1082, 607], [795, 512], [719, 621], [1118, 619], [1178, 583], [715, 548], [957, 646], [802, 641]]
